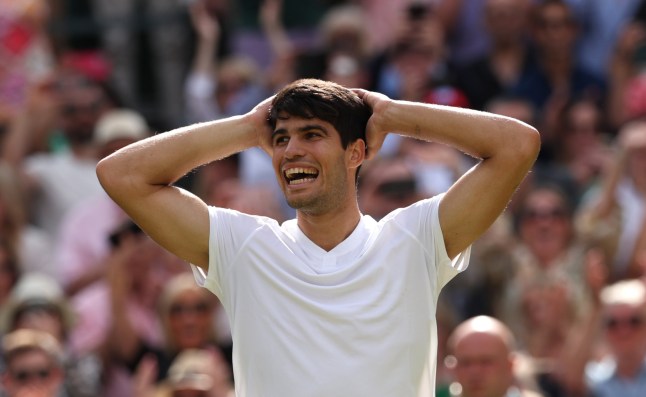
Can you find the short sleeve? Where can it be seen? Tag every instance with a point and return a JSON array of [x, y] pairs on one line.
[[229, 232], [422, 221]]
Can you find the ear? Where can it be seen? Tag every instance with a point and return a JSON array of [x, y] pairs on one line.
[[356, 153]]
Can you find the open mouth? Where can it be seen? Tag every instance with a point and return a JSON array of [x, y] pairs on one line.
[[297, 176]]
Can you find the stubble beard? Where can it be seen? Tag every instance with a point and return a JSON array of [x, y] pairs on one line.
[[321, 203]]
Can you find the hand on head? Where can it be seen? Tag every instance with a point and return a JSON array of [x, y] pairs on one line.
[[259, 116], [375, 132]]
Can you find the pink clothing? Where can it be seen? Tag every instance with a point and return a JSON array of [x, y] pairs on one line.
[[83, 244], [94, 318]]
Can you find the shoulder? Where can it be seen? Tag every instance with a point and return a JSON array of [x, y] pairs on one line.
[[240, 224], [428, 206]]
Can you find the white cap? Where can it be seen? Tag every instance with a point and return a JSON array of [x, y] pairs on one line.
[[120, 124], [35, 289]]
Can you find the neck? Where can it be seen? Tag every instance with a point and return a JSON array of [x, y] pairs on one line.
[[330, 229]]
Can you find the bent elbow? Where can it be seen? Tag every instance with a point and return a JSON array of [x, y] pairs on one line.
[[110, 175], [532, 142]]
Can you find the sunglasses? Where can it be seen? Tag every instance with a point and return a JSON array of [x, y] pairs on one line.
[[198, 308], [25, 376], [633, 322]]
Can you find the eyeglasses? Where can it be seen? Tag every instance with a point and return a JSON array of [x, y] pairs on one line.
[[633, 322], [198, 308], [549, 214], [24, 376]]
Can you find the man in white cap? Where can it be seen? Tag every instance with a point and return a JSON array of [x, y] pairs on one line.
[[84, 231]]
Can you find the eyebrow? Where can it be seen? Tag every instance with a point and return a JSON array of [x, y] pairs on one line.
[[304, 128]]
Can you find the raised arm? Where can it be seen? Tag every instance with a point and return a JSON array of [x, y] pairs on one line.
[[507, 149], [139, 178]]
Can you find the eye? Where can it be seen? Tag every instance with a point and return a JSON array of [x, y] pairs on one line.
[[280, 140], [312, 135]]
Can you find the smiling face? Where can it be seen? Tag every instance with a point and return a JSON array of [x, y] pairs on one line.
[[313, 170]]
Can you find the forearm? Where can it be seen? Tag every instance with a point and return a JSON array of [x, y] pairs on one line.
[[507, 149], [163, 159], [204, 60], [481, 135]]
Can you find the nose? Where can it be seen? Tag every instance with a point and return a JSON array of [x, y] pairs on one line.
[[294, 149]]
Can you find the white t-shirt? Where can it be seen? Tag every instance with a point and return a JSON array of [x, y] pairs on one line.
[[64, 181], [358, 320]]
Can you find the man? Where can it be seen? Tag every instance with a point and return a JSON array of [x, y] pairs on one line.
[[623, 317], [331, 303], [33, 364], [61, 176], [483, 348]]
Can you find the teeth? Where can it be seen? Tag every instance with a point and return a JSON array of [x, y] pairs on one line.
[[291, 171], [297, 176], [299, 181]]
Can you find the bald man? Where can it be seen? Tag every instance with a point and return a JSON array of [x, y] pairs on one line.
[[484, 351]]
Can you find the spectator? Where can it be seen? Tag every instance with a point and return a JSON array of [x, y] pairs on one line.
[[122, 310], [579, 145], [187, 315], [37, 303], [500, 68], [32, 245], [217, 87], [416, 66], [194, 372], [601, 23], [467, 31], [556, 76], [83, 243], [548, 242], [614, 215], [486, 362], [386, 184], [547, 294], [60, 180], [627, 75], [543, 312], [621, 372], [33, 364]]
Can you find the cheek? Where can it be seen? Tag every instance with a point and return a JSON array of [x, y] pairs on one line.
[[275, 162]]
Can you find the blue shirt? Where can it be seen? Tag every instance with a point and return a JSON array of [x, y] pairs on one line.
[[604, 381]]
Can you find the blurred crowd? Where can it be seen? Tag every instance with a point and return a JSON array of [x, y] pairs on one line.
[[554, 301]]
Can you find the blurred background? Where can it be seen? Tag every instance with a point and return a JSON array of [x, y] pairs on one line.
[[564, 267]]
